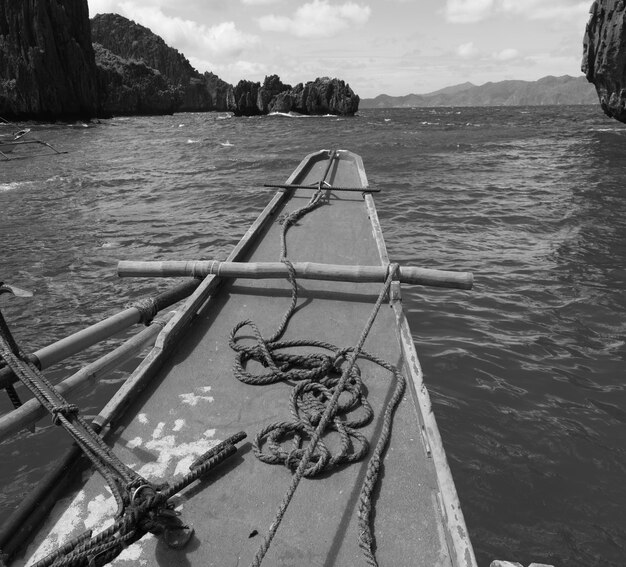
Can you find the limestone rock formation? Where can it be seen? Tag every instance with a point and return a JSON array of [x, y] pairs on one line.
[[272, 88], [246, 95], [604, 55], [131, 87], [47, 64], [322, 96], [325, 96], [132, 41]]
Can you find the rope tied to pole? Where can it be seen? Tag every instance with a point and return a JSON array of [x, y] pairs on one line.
[[142, 506], [328, 396], [68, 411], [147, 308]]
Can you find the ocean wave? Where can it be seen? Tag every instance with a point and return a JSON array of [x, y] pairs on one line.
[[12, 186], [298, 115]]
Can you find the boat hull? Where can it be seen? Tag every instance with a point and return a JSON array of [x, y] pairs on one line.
[[190, 400]]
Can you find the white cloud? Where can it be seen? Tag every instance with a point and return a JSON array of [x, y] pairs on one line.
[[317, 19], [233, 71], [102, 7], [260, 2], [470, 11], [546, 10], [467, 50], [226, 39], [506, 54]]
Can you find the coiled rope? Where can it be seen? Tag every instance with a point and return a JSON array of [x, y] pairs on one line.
[[328, 393]]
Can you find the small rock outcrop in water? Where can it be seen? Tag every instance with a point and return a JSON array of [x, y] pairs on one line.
[[47, 64], [604, 55], [322, 96]]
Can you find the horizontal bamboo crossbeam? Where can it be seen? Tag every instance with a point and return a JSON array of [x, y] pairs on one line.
[[304, 270], [32, 410], [79, 341]]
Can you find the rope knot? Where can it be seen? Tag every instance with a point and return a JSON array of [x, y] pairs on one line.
[[393, 271], [65, 410], [147, 310]]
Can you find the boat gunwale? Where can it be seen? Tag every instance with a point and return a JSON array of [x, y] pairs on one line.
[[196, 302], [457, 537]]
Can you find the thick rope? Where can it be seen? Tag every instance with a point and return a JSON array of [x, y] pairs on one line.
[[116, 473], [365, 534], [317, 403], [142, 506]]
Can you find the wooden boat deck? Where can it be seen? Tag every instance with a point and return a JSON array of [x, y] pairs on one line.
[[194, 400]]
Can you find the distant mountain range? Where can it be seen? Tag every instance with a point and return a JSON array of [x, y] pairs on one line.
[[546, 91]]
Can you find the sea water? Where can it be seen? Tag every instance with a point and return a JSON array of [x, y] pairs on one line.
[[526, 371]]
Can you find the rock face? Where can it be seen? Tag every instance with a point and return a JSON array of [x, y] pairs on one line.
[[131, 87], [47, 64], [134, 42], [322, 96], [325, 96], [604, 55]]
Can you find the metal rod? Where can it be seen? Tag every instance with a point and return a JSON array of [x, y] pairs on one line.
[[329, 188]]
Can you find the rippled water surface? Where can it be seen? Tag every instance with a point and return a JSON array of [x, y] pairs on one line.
[[526, 372]]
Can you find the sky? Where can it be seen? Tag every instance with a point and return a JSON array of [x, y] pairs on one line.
[[393, 47]]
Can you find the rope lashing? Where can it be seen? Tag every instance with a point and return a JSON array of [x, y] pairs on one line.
[[148, 510], [147, 308], [142, 506], [328, 395], [68, 411]]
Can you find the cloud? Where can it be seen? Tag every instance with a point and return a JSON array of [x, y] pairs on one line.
[[545, 10], [506, 54], [222, 40], [467, 50], [317, 19], [260, 2], [470, 11], [102, 7]]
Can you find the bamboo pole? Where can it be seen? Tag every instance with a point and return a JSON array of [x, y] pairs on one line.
[[304, 270], [75, 343], [31, 411]]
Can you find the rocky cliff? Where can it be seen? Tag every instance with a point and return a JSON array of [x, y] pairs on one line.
[[47, 63], [133, 42], [132, 87], [604, 55]]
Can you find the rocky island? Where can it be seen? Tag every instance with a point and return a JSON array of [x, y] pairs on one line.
[[55, 63], [604, 55]]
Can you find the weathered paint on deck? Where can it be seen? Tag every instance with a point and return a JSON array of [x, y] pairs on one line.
[[194, 401]]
